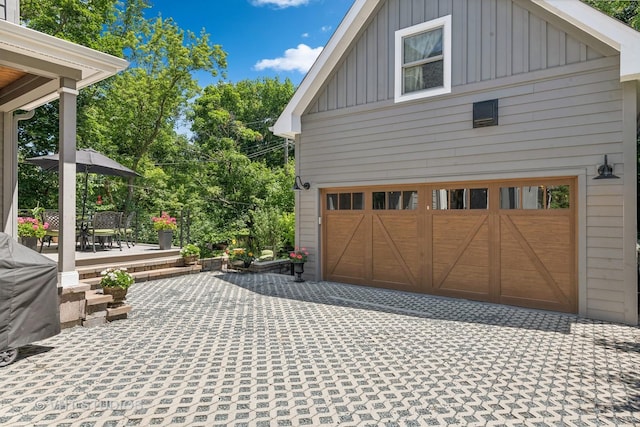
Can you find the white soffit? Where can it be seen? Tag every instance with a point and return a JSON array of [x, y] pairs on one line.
[[93, 65]]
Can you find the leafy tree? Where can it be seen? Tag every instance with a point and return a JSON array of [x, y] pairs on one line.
[[78, 21], [84, 22], [132, 118], [243, 112], [623, 10], [288, 226], [146, 100], [228, 121], [267, 228]]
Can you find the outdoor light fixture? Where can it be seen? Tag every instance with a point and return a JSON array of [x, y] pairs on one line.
[[299, 185], [605, 171]]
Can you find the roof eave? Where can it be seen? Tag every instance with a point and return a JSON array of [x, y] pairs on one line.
[[93, 65], [610, 31]]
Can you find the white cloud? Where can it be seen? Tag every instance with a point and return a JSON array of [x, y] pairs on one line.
[[299, 59], [305, 35], [326, 28], [280, 4]]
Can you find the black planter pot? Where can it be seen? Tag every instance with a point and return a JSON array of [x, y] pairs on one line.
[[298, 269]]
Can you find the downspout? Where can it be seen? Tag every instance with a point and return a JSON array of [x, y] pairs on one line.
[[10, 201]]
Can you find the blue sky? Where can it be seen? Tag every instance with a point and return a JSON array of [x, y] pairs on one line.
[[262, 38]]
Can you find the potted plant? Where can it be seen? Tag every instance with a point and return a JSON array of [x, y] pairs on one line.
[[240, 257], [116, 282], [30, 230], [165, 225], [298, 257], [190, 253]]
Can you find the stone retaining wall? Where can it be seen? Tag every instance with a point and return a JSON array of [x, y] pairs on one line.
[[279, 266]]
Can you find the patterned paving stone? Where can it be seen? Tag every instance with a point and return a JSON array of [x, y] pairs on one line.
[[260, 350]]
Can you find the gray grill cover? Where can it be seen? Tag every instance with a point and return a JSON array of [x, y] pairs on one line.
[[28, 295]]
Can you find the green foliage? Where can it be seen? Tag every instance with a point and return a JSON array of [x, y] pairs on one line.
[[232, 167], [623, 10], [116, 278], [38, 136], [288, 226], [267, 230], [243, 255], [31, 227], [151, 96], [164, 222], [79, 21], [559, 197], [190, 250], [241, 114]]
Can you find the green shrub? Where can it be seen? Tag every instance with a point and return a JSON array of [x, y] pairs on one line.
[[190, 250], [288, 227], [266, 230]]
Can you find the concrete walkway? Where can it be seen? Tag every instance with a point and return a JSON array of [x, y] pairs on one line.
[[259, 350]]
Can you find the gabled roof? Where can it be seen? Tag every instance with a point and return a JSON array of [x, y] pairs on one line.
[[39, 60], [604, 28], [288, 124], [619, 36]]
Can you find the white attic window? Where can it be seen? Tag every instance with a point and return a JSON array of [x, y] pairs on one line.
[[423, 60]]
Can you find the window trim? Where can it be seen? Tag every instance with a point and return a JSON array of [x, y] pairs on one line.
[[444, 23]]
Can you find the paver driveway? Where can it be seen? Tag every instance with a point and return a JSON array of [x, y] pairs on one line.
[[239, 349]]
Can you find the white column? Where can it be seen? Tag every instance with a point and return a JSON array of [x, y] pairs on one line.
[[67, 274]]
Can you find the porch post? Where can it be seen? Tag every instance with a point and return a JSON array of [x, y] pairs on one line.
[[10, 174], [7, 222], [67, 274]]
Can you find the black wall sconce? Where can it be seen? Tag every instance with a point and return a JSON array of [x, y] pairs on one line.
[[299, 185], [605, 171]]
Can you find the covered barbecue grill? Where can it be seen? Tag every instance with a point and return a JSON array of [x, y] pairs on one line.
[[28, 298]]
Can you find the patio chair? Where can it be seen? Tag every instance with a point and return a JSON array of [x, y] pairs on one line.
[[52, 217], [105, 227], [127, 229]]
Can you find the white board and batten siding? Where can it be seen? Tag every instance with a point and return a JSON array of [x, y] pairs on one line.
[[491, 39], [560, 111]]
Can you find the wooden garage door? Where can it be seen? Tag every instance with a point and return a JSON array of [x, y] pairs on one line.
[[510, 242], [372, 246]]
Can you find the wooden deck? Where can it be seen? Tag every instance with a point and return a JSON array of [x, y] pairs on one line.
[[140, 251]]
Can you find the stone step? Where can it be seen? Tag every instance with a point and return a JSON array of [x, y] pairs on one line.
[[158, 273], [96, 308], [116, 256], [163, 273], [94, 298], [118, 313], [132, 266]]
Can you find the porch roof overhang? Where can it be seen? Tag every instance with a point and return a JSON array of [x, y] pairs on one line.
[[582, 16], [34, 62]]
